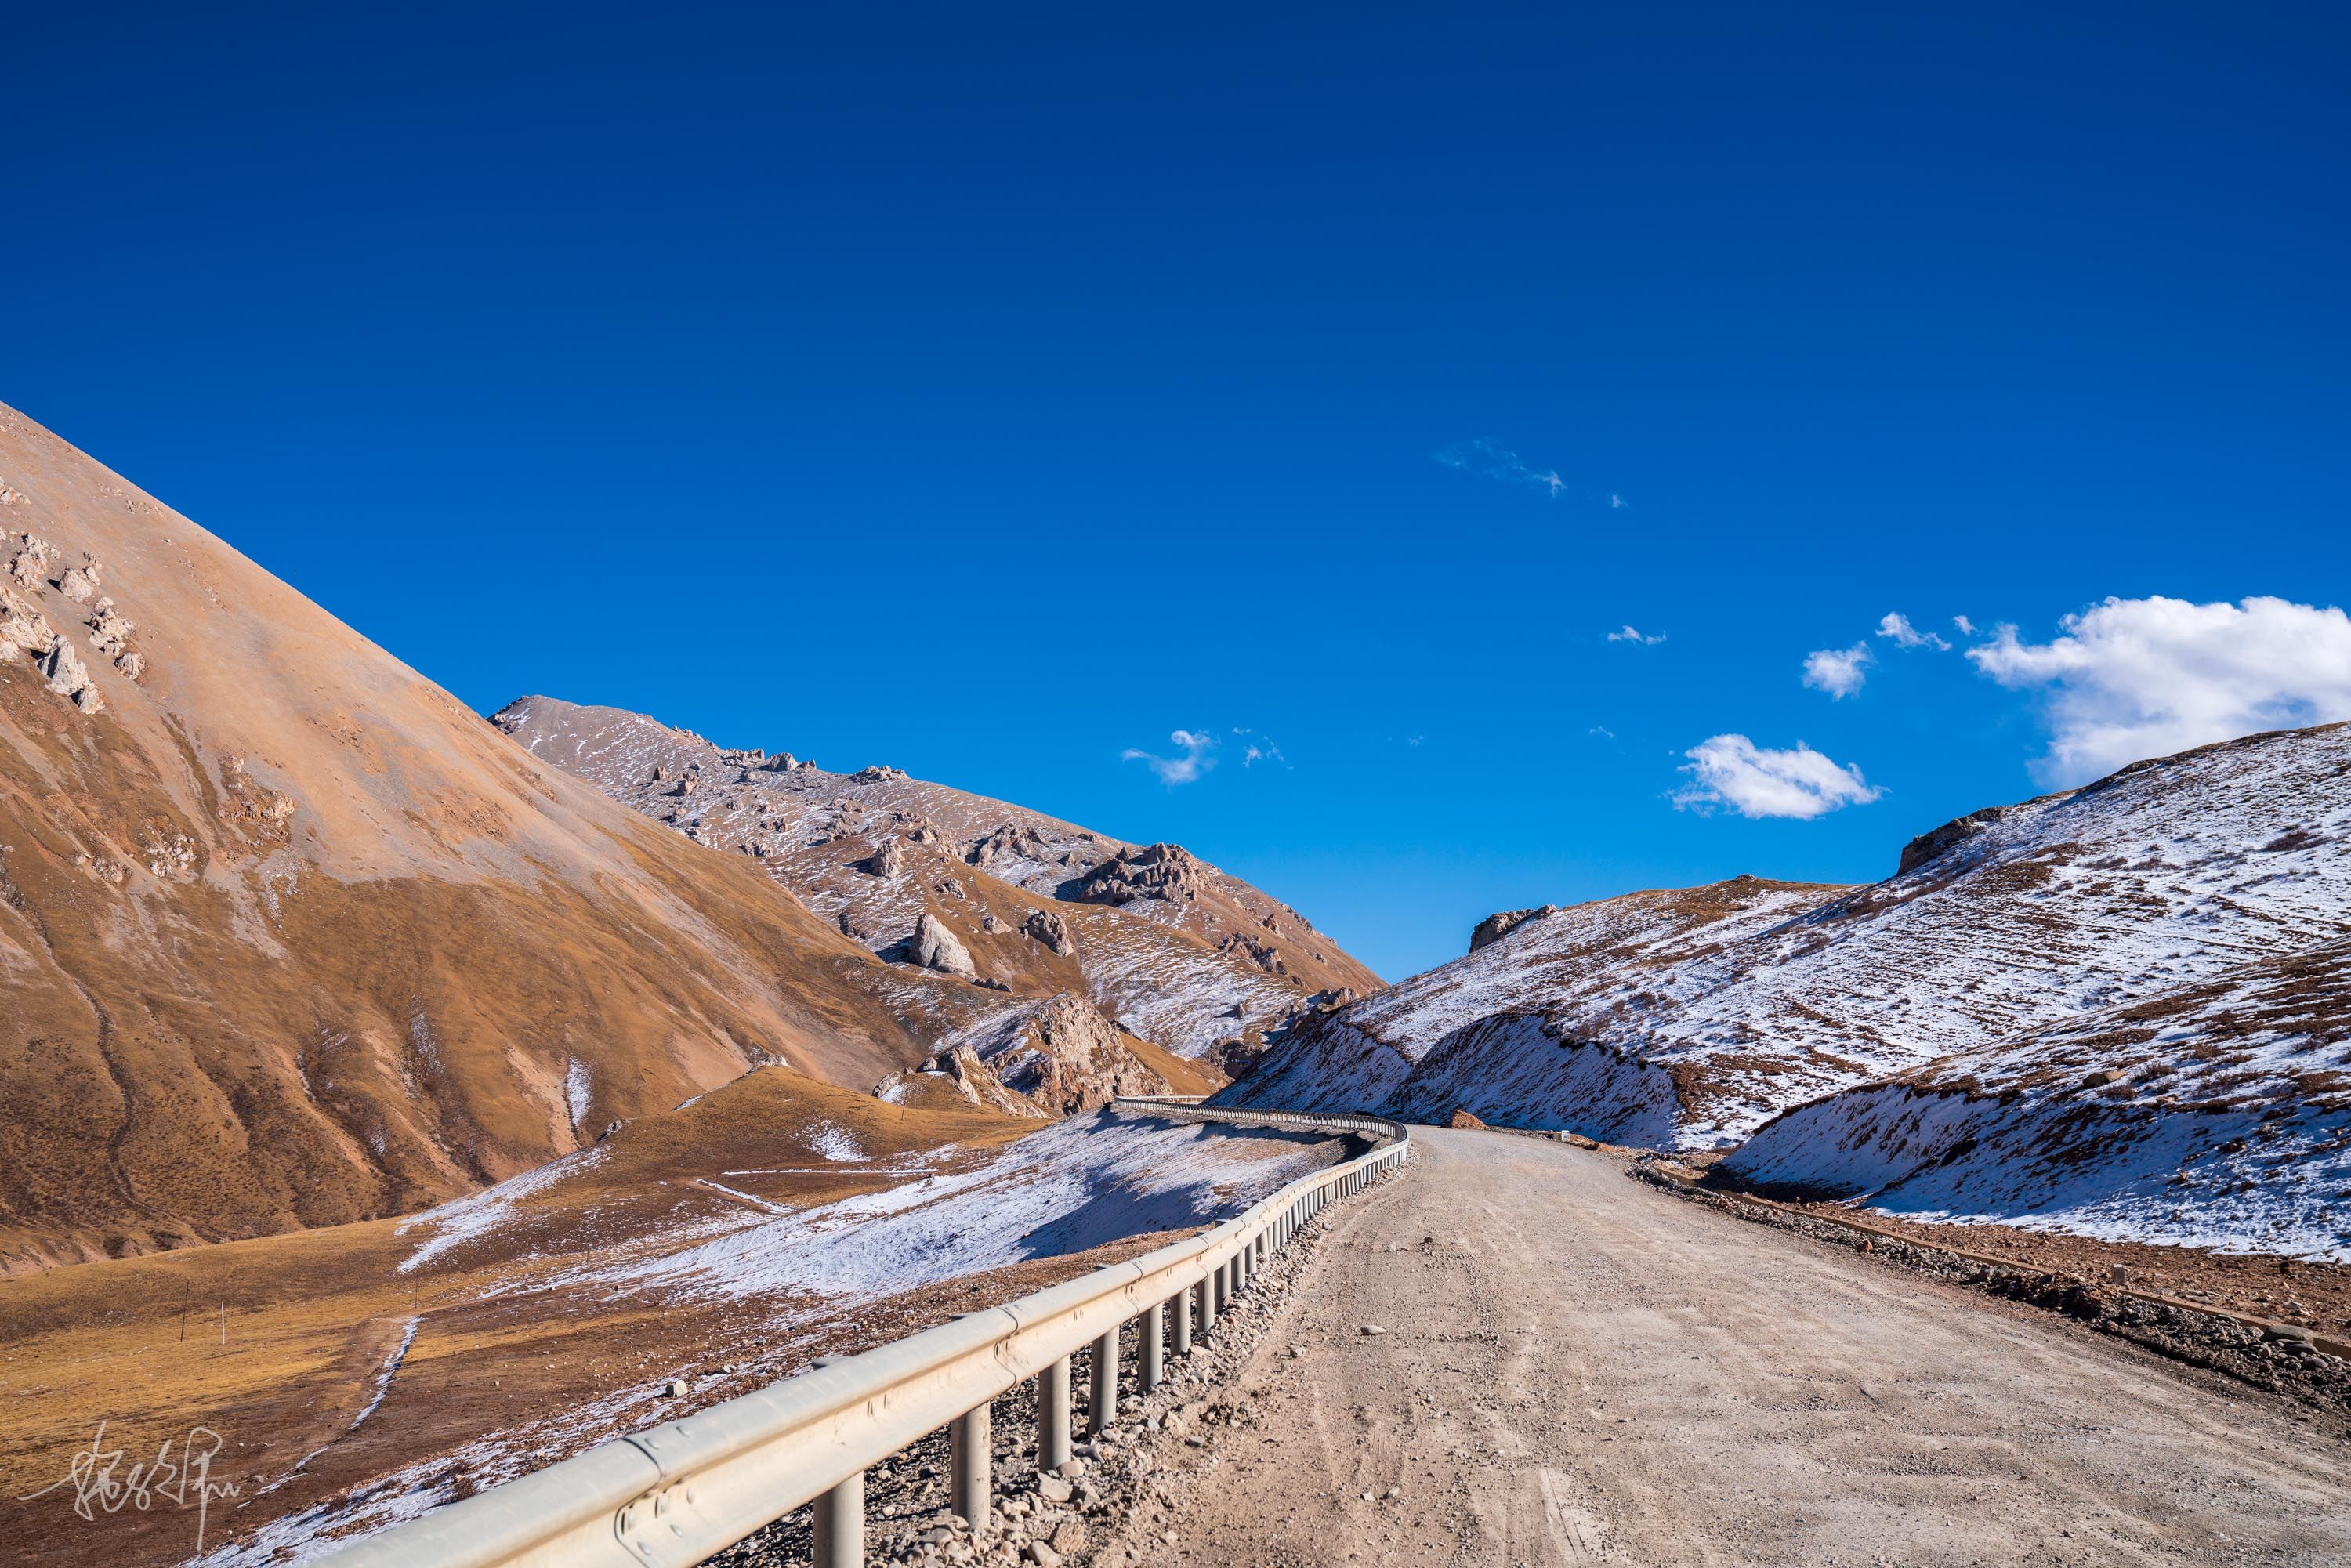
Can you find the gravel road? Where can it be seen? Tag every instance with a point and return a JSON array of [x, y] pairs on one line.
[[1576, 1368]]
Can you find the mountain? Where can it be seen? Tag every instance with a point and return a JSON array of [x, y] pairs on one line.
[[2180, 922], [288, 936], [1169, 949]]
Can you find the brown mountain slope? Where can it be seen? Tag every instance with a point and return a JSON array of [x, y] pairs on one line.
[[1172, 949], [288, 936]]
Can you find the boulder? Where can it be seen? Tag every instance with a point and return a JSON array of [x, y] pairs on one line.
[[79, 583], [889, 859], [935, 947], [1494, 927], [1167, 871], [1050, 929]]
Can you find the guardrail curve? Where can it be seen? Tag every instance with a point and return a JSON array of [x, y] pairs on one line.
[[675, 1494]]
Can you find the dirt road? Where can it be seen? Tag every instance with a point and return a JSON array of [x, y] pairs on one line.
[[1581, 1369]]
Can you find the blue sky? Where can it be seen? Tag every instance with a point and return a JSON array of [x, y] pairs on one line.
[[996, 395]]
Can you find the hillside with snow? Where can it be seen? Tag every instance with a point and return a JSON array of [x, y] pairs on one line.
[[2184, 914]]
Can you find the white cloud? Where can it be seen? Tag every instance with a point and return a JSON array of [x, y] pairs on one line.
[[1498, 462], [1966, 627], [1897, 626], [1257, 748], [1616, 502], [2131, 678], [1754, 781], [1627, 634], [1603, 731], [1838, 671], [1198, 747]]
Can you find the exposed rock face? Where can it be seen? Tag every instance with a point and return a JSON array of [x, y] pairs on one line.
[[890, 859], [69, 677], [1011, 843], [1166, 872], [80, 582], [960, 1067], [28, 562], [1958, 831], [881, 773], [935, 947], [1060, 1056], [1264, 955], [1051, 930], [1494, 927]]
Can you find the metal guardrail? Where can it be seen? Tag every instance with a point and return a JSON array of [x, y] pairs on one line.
[[675, 1494]]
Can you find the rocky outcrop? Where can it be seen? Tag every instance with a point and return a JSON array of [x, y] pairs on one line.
[[936, 947], [1166, 872], [79, 583], [69, 677], [960, 1070], [1958, 831], [1494, 927], [1047, 927], [890, 859]]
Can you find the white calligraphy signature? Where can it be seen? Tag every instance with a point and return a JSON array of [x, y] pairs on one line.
[[100, 1485]]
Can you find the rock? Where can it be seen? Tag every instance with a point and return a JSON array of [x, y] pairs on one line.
[[992, 926], [2101, 1079], [1370, 1331], [1053, 1489], [134, 665], [1069, 1536], [1464, 1119], [1050, 928], [1167, 871], [878, 774], [109, 633], [1494, 927], [69, 677], [676, 1389], [1958, 831], [1042, 1554], [890, 859], [935, 947], [79, 583], [27, 565]]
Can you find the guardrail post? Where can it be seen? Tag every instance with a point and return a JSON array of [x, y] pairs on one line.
[[968, 1467], [1103, 1408], [1179, 1307], [1154, 1330], [1053, 1416], [841, 1525], [1205, 1290], [1222, 1299]]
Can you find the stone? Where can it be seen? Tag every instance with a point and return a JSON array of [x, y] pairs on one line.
[[66, 673], [26, 564], [936, 947], [109, 633], [1464, 1119], [1041, 1553], [1494, 927], [1050, 928], [676, 1389], [993, 926], [134, 665], [890, 859], [1370, 1331], [1053, 1489], [79, 583], [1067, 1536], [1165, 872]]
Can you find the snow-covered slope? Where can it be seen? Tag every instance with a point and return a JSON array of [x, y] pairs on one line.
[[1171, 949], [2216, 1115], [2184, 918]]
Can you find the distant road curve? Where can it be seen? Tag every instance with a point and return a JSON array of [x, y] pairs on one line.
[[1581, 1369]]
